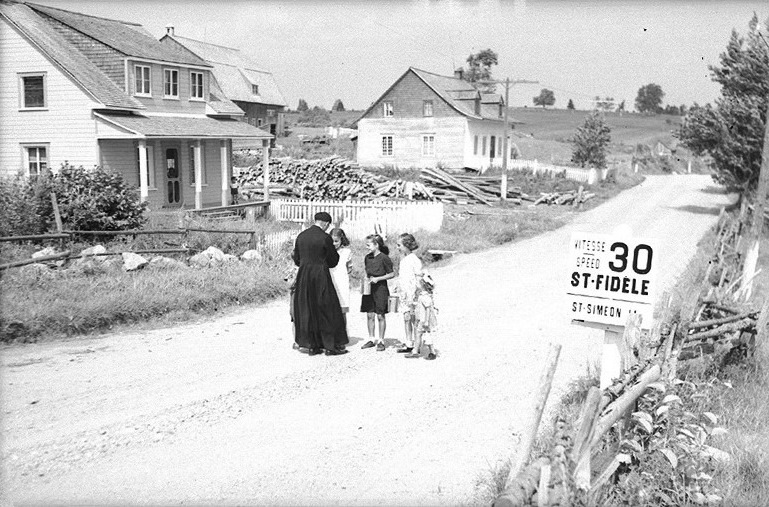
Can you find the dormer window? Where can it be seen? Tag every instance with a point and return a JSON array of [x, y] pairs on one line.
[[255, 89], [387, 109], [171, 83], [196, 85], [142, 81]]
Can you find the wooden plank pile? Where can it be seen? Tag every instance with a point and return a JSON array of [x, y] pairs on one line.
[[573, 197]]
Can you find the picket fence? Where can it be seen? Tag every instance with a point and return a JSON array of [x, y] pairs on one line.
[[274, 242], [583, 175], [360, 218]]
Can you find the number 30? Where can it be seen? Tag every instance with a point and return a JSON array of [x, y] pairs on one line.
[[620, 266]]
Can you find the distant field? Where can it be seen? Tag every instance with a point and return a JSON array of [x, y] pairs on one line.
[[543, 134]]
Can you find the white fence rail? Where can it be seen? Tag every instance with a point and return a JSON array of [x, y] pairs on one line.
[[361, 218], [584, 175]]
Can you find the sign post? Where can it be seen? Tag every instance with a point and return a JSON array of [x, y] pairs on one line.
[[610, 277]]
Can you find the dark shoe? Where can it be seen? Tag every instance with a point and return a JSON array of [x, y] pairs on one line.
[[404, 350], [336, 352], [380, 347], [314, 352], [430, 356], [367, 345]]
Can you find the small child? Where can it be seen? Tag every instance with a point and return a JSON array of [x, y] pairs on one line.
[[379, 269], [426, 318], [409, 271], [340, 274], [234, 189]]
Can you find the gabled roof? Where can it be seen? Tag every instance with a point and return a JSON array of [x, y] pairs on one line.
[[71, 61], [235, 72], [457, 93], [129, 38]]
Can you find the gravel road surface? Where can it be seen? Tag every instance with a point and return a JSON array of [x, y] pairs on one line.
[[223, 411]]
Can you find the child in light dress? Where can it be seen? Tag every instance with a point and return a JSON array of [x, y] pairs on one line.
[[379, 269], [409, 271], [426, 318], [340, 274]]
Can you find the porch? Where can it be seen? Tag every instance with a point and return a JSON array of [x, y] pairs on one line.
[[176, 162]]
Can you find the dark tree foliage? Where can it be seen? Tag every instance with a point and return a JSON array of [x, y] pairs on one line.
[[649, 99], [732, 131], [302, 106], [570, 105], [545, 98], [605, 104], [590, 142], [479, 68], [338, 105]]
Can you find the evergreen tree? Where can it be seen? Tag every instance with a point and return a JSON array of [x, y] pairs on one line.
[[302, 106], [570, 105], [338, 105]]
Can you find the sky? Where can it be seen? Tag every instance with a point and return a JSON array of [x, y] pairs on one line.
[[354, 50]]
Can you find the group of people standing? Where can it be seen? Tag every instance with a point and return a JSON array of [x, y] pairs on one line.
[[320, 297]]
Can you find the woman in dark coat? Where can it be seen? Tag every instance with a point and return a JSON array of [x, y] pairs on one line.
[[318, 319]]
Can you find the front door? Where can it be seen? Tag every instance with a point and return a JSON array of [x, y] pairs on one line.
[[492, 147], [173, 183]]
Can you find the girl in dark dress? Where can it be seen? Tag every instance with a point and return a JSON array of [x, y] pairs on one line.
[[379, 269]]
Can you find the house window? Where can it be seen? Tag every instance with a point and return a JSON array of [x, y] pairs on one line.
[[477, 106], [255, 89], [427, 108], [36, 160], [387, 109], [33, 94], [475, 145], [484, 146], [150, 165], [196, 85], [387, 146], [259, 122], [499, 147], [171, 83], [270, 113], [428, 145], [143, 83], [202, 161]]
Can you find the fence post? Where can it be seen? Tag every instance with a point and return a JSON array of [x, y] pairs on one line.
[[56, 214]]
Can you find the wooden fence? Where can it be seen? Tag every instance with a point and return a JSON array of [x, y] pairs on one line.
[[580, 463], [583, 175], [360, 218]]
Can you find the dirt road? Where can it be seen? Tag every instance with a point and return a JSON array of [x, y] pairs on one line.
[[224, 411]]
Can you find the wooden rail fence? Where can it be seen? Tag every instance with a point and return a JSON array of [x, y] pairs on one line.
[[583, 175]]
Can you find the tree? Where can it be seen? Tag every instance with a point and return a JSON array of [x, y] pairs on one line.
[[545, 98], [590, 142], [671, 110], [302, 106], [605, 104], [621, 107], [479, 68], [570, 105], [732, 131], [649, 99], [338, 105]]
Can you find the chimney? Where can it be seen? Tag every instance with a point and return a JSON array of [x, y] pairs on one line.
[[459, 73], [170, 29]]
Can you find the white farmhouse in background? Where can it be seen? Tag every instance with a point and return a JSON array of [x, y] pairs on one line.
[[429, 120]]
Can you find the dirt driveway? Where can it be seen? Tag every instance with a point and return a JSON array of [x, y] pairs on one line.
[[224, 411]]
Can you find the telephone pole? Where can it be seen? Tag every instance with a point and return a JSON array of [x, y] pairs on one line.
[[505, 146]]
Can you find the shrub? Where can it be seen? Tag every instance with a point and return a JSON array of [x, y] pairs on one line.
[[19, 207], [94, 200]]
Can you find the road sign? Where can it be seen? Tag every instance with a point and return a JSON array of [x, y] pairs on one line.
[[610, 277]]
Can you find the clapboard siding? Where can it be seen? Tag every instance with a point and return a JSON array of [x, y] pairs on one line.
[[157, 103], [66, 125], [407, 141]]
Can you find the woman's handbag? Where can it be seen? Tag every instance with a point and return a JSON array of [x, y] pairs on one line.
[[365, 287]]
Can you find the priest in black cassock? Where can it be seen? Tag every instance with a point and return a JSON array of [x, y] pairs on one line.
[[318, 320]]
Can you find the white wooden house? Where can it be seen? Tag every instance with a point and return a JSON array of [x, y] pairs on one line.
[[429, 120], [94, 91]]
